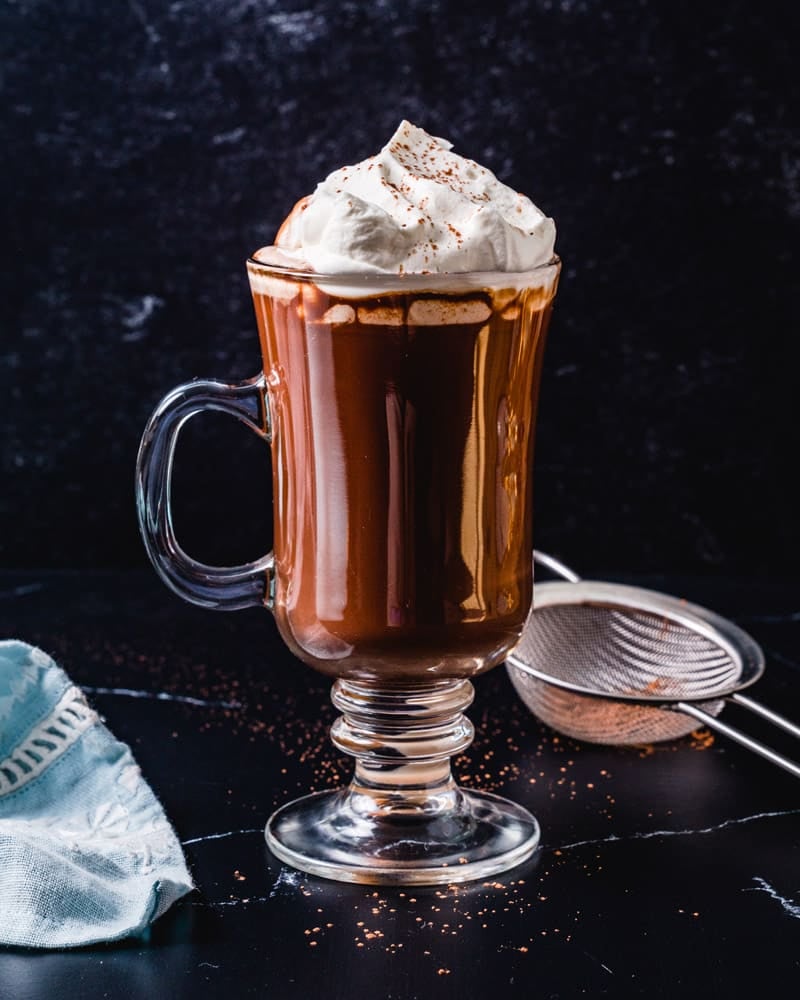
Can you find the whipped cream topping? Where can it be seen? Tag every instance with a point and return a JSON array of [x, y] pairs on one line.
[[415, 207]]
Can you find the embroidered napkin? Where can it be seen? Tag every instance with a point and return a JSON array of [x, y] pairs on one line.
[[86, 852]]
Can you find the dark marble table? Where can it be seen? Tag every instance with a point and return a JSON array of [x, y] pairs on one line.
[[664, 871]]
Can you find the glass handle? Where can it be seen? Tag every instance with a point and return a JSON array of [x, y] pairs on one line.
[[222, 587]]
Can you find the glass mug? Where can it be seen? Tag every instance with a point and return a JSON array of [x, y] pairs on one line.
[[401, 414]]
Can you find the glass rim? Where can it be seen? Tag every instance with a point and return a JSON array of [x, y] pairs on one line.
[[417, 278]]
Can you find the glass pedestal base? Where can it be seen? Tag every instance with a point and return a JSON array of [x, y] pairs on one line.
[[480, 836], [403, 820]]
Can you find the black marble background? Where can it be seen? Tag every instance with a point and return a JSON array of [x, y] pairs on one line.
[[149, 147]]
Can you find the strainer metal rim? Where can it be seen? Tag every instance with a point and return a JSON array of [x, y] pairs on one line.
[[738, 644]]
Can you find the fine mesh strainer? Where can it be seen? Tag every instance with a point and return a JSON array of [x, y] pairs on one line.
[[613, 664]]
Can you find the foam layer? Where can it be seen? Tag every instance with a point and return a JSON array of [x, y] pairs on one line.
[[273, 281], [443, 300]]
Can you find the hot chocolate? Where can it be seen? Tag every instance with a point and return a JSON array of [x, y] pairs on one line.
[[403, 427], [402, 315]]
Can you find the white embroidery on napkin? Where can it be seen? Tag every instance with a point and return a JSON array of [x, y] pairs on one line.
[[47, 741], [130, 777]]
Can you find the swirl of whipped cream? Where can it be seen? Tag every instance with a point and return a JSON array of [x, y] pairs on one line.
[[417, 208]]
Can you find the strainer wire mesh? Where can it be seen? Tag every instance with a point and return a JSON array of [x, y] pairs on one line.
[[613, 664]]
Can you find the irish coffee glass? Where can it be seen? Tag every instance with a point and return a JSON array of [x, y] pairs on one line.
[[400, 412]]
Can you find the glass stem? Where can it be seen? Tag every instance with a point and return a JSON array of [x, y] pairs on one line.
[[402, 737]]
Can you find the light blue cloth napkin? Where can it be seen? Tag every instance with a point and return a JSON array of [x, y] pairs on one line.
[[86, 852]]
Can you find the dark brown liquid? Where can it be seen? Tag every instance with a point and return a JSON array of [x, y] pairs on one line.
[[402, 454]]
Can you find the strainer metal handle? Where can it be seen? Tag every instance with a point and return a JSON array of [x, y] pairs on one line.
[[766, 713], [687, 708], [736, 734], [555, 566]]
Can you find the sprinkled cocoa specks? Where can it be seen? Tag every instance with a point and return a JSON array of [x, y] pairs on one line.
[[701, 739]]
